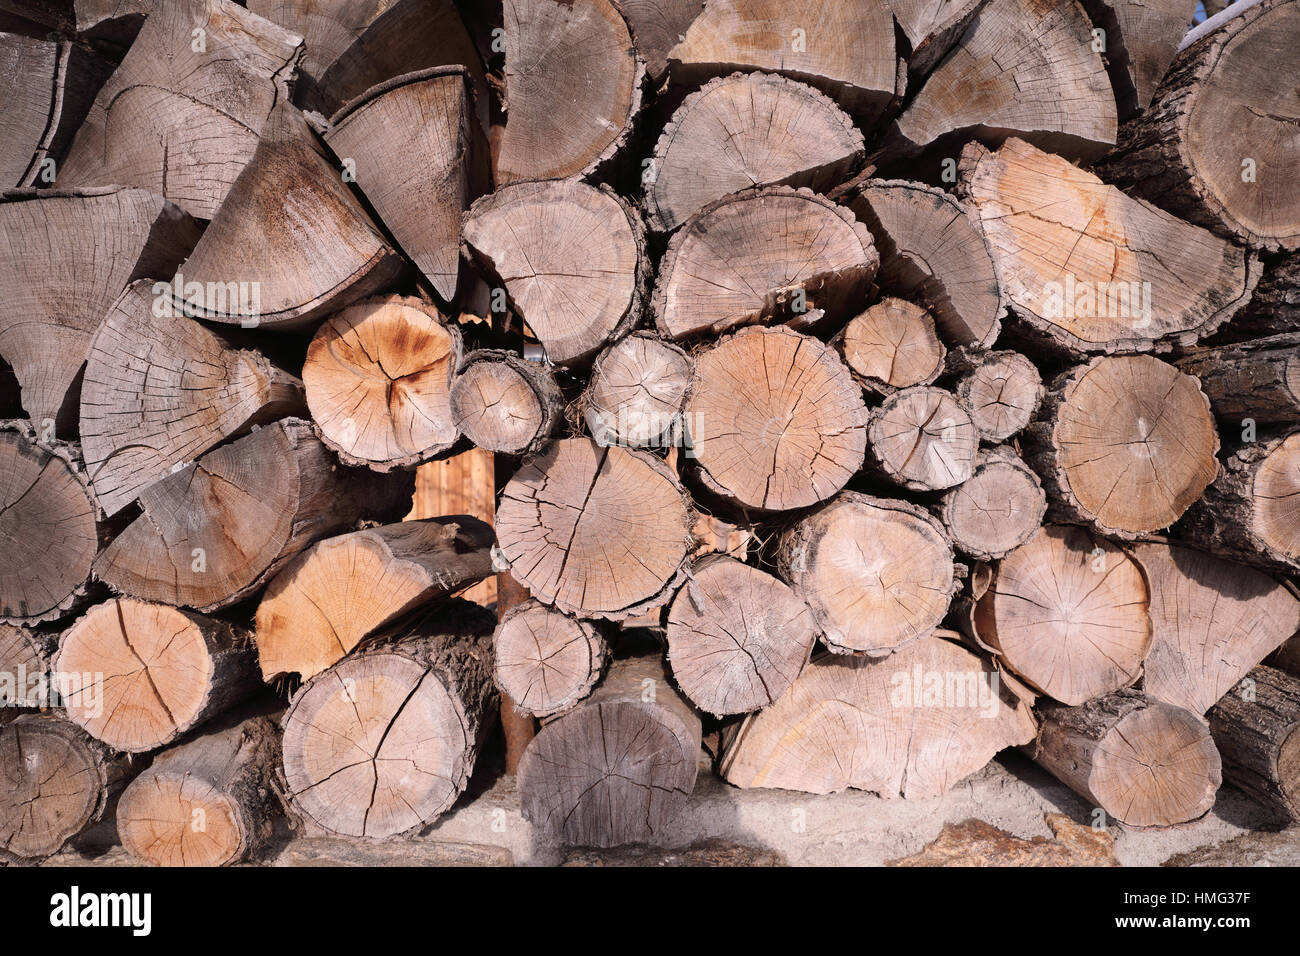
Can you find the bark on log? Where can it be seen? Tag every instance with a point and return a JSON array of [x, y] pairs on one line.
[[1257, 380], [890, 346], [1257, 733], [505, 403], [997, 509], [636, 392], [1275, 305], [116, 22], [1141, 40], [932, 27], [343, 589], [546, 662], [923, 438], [26, 676], [1002, 390]]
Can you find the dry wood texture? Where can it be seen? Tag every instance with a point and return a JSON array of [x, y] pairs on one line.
[[636, 392], [546, 662], [1002, 391], [1256, 729], [1257, 381], [504, 403], [1141, 39], [997, 509], [924, 439], [891, 346]]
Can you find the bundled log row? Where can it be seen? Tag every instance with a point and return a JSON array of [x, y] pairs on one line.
[[881, 385]]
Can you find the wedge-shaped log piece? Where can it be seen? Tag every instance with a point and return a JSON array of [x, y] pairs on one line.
[[544, 661], [112, 21], [1256, 729], [892, 345], [1142, 38], [997, 509], [636, 392], [658, 26], [932, 27]]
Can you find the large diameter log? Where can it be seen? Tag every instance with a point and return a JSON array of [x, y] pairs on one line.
[[595, 532], [636, 391], [1257, 380], [1230, 170], [1002, 390], [1126, 443], [618, 768], [1141, 39], [1256, 728], [785, 439], [910, 725], [160, 389], [1090, 269], [546, 662], [877, 573], [216, 531], [746, 130], [504, 403], [138, 676], [570, 257], [208, 802], [1067, 612], [923, 439], [378, 379], [182, 117], [343, 589], [997, 509], [1143, 762], [65, 256], [658, 26], [892, 345], [385, 741], [775, 255], [1213, 621]]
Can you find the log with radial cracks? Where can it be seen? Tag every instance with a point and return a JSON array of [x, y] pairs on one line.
[[1002, 390], [343, 589], [890, 346], [923, 439], [596, 532], [1257, 380], [997, 509], [544, 661], [504, 403], [636, 392], [1256, 728], [658, 26], [25, 674], [910, 725], [1142, 38]]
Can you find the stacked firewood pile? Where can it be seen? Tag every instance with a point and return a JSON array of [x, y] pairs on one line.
[[875, 385]]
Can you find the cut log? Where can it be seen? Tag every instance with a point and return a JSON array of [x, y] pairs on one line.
[[420, 158], [182, 117], [101, 239], [891, 346], [1275, 305], [737, 637], [1213, 619], [1092, 270], [933, 252], [53, 14], [785, 439], [1141, 39], [384, 742], [505, 403], [1143, 762], [216, 531], [747, 130], [637, 388], [159, 390], [910, 725], [570, 257], [138, 676], [291, 202], [26, 678], [378, 379], [877, 573], [1124, 443], [117, 22], [595, 532], [55, 781], [932, 28], [1067, 612], [573, 87], [208, 802], [658, 26], [1256, 729], [775, 255], [1257, 380], [997, 509], [343, 589], [545, 662], [1218, 144], [923, 439], [1002, 390], [618, 768]]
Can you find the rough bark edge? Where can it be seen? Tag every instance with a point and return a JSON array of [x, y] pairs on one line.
[[878, 466], [600, 660], [999, 454], [539, 379]]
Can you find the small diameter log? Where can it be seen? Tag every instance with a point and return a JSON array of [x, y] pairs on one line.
[[421, 157], [1142, 38], [161, 389], [658, 26], [571, 258], [595, 532], [1002, 390], [1257, 380], [997, 509], [746, 130], [504, 403], [877, 573], [384, 742], [891, 346], [910, 725], [378, 379], [1124, 443], [775, 255], [1143, 762], [342, 589], [933, 252], [181, 118], [573, 87], [1232, 171], [1256, 728], [1213, 620], [1067, 612], [785, 439], [737, 637], [208, 802], [923, 439], [138, 676], [618, 768], [546, 662], [26, 680], [637, 388], [1089, 269], [216, 531], [55, 782]]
